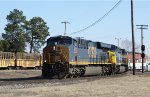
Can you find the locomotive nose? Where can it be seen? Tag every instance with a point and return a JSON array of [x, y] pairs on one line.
[[57, 59], [53, 54]]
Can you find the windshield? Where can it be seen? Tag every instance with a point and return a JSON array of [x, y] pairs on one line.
[[59, 41]]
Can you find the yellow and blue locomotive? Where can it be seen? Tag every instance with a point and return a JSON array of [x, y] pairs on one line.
[[64, 56]]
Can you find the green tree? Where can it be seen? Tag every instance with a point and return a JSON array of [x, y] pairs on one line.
[[1, 45], [37, 31], [15, 35], [4, 45]]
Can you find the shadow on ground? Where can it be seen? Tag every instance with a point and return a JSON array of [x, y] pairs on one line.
[[22, 79]]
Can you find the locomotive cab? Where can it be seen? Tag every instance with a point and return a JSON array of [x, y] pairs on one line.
[[56, 56]]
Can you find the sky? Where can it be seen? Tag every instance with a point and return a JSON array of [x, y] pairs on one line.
[[82, 13]]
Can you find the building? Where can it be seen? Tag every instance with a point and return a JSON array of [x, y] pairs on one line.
[[138, 61]]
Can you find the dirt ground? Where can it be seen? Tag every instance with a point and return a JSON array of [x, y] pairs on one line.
[[28, 83]]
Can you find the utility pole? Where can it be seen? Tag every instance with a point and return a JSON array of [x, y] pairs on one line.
[[133, 43], [118, 40], [142, 45], [65, 26]]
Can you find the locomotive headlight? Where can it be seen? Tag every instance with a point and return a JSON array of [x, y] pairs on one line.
[[45, 60], [54, 47]]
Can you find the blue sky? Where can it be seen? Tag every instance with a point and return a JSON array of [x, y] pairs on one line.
[[81, 13]]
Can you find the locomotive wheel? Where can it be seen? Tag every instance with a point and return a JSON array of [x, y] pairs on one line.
[[67, 76], [61, 75], [75, 72], [107, 70], [61, 70], [117, 69], [110, 71], [82, 72]]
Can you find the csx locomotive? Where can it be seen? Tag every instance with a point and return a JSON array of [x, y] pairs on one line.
[[64, 56]]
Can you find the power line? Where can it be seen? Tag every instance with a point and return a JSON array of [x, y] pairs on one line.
[[100, 19]]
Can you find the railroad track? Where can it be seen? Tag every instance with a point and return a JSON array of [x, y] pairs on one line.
[[19, 83]]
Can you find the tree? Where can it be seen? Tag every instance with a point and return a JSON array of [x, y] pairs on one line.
[[37, 31], [4, 45], [127, 44], [1, 46], [15, 34]]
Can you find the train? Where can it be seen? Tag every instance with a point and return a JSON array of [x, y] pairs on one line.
[[64, 56], [21, 60]]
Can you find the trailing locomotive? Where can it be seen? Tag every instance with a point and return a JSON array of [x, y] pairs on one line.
[[64, 56]]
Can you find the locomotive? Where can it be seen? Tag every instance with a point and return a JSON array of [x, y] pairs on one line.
[[65, 56]]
